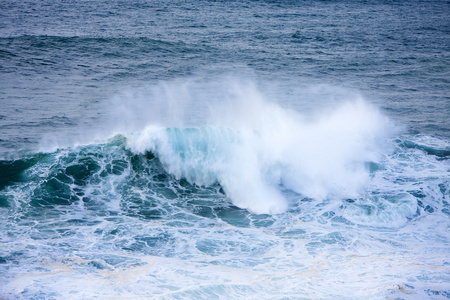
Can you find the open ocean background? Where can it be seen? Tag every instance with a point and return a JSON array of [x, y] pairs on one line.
[[224, 149]]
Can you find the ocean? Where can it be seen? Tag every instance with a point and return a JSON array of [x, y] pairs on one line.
[[224, 149]]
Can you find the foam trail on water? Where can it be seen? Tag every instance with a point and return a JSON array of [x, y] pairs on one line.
[[254, 148]]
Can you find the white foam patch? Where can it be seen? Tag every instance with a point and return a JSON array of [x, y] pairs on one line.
[[287, 270]]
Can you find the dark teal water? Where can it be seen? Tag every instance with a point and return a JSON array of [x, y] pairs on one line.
[[224, 149]]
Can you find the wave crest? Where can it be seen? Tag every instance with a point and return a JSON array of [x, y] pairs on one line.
[[256, 149]]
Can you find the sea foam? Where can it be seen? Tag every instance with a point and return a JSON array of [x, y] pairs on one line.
[[255, 148]]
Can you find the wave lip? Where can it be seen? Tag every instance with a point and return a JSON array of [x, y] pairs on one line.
[[255, 154]]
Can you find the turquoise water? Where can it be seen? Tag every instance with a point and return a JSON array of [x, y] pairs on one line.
[[221, 149]]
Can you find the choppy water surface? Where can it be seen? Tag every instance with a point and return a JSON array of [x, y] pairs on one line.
[[257, 150]]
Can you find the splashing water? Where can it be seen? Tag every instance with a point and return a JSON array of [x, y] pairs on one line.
[[255, 149]]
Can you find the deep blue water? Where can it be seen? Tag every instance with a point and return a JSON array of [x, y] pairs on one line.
[[225, 149]]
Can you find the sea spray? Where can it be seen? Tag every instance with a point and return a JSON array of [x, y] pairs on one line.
[[256, 149]]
